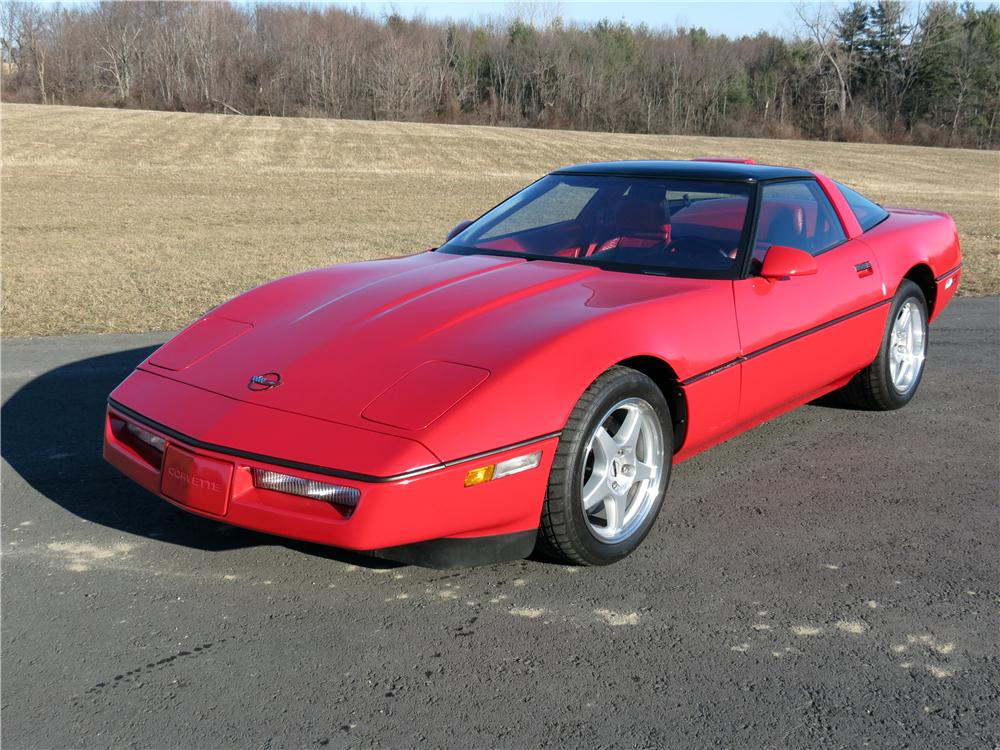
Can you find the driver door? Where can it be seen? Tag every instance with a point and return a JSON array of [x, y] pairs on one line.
[[803, 335]]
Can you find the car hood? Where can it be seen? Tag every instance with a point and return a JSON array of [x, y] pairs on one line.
[[395, 342]]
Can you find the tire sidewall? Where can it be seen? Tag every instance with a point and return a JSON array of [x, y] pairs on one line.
[[636, 385]]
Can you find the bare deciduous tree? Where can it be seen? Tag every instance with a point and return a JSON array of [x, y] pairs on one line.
[[882, 70]]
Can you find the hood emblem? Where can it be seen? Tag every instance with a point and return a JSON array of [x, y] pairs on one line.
[[264, 382]]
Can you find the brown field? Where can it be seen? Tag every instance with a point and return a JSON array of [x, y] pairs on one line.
[[133, 221]]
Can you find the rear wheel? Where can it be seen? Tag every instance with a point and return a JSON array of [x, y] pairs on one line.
[[610, 471], [892, 379]]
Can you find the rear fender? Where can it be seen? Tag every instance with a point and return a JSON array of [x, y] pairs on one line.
[[923, 247]]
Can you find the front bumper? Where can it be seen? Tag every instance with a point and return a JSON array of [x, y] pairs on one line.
[[428, 517]]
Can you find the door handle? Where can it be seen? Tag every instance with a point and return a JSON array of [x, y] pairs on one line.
[[864, 269]]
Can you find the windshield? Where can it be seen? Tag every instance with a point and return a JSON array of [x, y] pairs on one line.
[[677, 227]]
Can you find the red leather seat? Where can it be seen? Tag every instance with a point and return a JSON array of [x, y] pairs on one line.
[[786, 226]]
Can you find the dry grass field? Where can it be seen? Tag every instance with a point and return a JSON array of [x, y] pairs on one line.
[[132, 221]]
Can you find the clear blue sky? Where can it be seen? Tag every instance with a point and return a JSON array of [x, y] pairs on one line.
[[734, 18], [731, 17]]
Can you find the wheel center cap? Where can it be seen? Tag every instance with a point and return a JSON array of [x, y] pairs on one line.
[[622, 475]]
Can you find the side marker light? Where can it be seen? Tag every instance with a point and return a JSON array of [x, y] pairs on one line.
[[503, 468]]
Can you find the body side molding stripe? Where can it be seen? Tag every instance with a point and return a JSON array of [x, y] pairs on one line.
[[946, 274], [312, 468], [790, 339]]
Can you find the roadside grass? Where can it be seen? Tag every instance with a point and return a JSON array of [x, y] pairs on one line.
[[124, 220]]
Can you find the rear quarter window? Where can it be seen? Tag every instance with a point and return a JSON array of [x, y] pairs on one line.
[[868, 213]]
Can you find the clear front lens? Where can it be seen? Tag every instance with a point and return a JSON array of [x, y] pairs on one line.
[[154, 441], [517, 465], [292, 485]]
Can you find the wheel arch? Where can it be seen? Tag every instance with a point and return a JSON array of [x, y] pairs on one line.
[[665, 378], [922, 275]]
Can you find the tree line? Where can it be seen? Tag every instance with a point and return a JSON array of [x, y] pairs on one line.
[[865, 72]]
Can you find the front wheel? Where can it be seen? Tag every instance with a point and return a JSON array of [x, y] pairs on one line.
[[610, 472], [892, 379]]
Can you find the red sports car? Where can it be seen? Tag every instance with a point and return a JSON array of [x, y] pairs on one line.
[[535, 378]]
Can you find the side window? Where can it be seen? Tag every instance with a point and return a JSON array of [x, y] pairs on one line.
[[868, 213], [563, 202], [796, 214]]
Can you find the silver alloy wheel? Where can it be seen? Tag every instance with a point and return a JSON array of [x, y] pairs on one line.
[[907, 346], [623, 470]]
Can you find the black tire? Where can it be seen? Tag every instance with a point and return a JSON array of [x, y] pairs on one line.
[[564, 534], [872, 388]]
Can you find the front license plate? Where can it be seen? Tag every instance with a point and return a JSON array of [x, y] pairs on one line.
[[198, 482]]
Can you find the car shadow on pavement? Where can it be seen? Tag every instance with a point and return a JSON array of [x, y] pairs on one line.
[[51, 434]]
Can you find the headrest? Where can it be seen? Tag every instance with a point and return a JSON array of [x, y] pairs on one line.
[[641, 216], [787, 226]]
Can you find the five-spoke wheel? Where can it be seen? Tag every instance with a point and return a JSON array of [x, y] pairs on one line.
[[907, 346], [622, 470], [610, 471]]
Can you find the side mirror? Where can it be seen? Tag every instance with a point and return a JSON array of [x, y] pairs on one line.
[[784, 262], [459, 228]]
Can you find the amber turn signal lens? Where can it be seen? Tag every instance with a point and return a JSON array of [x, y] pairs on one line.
[[480, 475]]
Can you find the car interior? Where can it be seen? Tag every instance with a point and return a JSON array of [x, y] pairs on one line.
[[640, 223], [659, 224]]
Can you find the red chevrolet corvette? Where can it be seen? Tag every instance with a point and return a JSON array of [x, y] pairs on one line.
[[535, 378]]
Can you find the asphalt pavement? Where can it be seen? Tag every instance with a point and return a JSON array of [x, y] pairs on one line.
[[830, 579]]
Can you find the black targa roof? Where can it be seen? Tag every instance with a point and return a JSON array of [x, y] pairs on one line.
[[703, 170]]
